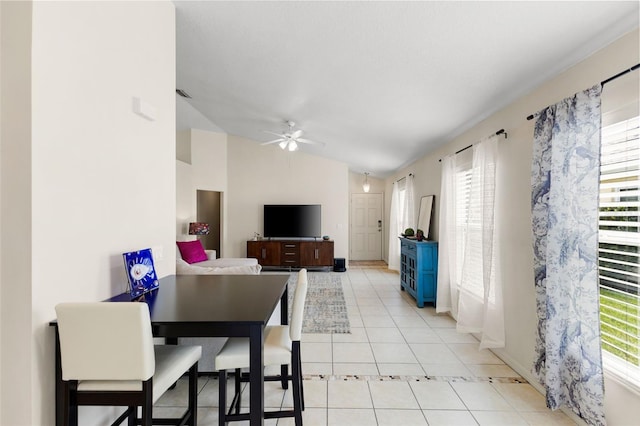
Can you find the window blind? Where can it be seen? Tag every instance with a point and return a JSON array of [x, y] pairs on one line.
[[463, 190], [619, 246]]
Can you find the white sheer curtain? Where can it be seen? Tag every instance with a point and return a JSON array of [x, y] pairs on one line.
[[409, 210], [401, 217], [467, 284], [480, 308], [448, 272], [395, 230]]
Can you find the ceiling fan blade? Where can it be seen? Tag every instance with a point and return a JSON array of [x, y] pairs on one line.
[[310, 142], [273, 133], [296, 134], [273, 141]]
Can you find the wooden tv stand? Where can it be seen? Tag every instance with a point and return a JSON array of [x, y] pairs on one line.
[[291, 254]]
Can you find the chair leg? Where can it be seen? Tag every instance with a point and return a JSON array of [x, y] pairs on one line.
[[297, 383], [301, 382], [132, 419], [193, 395], [147, 405], [222, 397], [238, 389], [284, 372], [71, 410]]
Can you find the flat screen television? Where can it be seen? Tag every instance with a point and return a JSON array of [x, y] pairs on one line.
[[292, 220]]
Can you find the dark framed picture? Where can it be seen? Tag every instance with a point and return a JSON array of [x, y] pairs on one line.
[[140, 272]]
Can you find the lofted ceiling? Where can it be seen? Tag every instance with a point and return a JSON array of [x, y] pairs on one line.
[[379, 83]]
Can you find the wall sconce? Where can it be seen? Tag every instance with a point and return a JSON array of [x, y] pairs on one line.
[[365, 186], [198, 228]]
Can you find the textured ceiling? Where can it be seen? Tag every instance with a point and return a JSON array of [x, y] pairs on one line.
[[379, 83]]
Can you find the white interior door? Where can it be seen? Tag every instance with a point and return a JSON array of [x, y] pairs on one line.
[[366, 227]]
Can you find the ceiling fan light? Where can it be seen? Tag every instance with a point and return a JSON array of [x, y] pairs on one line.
[[293, 146], [283, 144]]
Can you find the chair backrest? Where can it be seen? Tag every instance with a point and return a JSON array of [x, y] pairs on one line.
[[105, 341], [297, 308]]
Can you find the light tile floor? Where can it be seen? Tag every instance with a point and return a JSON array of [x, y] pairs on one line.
[[400, 365]]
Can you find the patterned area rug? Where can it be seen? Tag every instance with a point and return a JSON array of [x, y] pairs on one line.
[[325, 310]]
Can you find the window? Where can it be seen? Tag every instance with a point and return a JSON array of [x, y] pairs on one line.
[[466, 274], [469, 233], [401, 217], [402, 199], [619, 247], [463, 189]]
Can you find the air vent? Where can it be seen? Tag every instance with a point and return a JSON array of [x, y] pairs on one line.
[[183, 93]]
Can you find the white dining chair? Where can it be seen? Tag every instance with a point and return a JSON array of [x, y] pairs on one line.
[[281, 347], [108, 358]]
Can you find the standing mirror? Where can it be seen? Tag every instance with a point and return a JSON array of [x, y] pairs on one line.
[[424, 214]]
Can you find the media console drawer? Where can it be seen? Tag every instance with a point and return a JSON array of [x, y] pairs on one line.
[[290, 252]]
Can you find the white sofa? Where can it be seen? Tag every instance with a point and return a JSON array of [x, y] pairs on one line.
[[213, 266]]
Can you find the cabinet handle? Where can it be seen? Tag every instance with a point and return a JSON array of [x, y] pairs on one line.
[[317, 254], [264, 252]]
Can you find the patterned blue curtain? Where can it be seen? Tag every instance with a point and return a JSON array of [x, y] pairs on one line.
[[565, 187]]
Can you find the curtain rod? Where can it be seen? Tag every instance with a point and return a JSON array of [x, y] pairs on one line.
[[404, 177], [620, 74], [498, 133]]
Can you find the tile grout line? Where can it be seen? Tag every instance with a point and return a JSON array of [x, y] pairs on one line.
[[409, 378]]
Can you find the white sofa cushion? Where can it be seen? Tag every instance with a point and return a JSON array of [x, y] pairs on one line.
[[213, 266], [248, 268]]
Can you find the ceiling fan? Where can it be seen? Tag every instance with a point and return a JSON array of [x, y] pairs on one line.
[[289, 139]]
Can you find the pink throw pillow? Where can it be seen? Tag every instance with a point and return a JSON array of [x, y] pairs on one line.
[[192, 251]]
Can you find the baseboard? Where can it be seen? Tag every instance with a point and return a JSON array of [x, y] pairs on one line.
[[297, 268]]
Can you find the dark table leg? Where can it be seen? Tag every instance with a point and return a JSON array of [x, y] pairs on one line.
[[284, 320], [171, 341], [256, 383]]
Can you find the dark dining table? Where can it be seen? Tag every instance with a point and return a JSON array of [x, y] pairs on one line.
[[210, 306]]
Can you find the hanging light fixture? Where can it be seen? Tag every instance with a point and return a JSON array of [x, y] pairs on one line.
[[365, 186]]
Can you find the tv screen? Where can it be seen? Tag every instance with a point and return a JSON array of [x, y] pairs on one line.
[[292, 221]]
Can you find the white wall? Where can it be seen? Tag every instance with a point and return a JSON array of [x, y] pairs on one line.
[[250, 175], [259, 175], [187, 118], [185, 200], [377, 186], [15, 214], [1, 168], [100, 179], [207, 170], [513, 204]]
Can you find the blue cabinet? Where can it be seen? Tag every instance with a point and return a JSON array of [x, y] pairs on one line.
[[419, 269]]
